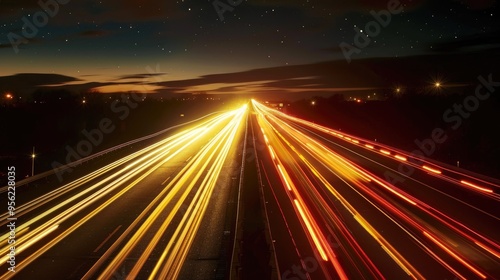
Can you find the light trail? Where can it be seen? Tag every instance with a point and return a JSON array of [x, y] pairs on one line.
[[476, 187], [433, 170], [121, 175], [182, 184], [419, 220], [326, 188], [312, 230], [372, 146], [477, 272]]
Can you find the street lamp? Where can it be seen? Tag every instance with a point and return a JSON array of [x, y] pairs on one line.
[[33, 162]]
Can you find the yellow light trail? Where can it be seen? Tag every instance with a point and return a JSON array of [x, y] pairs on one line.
[[152, 158], [311, 230], [184, 182], [24, 246]]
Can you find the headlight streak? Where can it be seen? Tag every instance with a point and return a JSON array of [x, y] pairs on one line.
[[456, 226], [184, 182], [454, 255], [453, 224], [153, 157], [148, 152], [96, 191], [70, 212], [33, 240], [433, 170], [396, 256], [442, 217], [172, 267], [371, 145], [485, 191], [346, 165], [476, 187], [308, 222], [309, 192]]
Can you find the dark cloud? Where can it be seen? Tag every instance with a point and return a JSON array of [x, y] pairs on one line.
[[331, 73], [77, 88], [37, 79], [139, 76], [25, 83], [298, 80], [338, 76]]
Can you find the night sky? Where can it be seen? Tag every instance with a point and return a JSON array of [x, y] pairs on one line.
[[187, 47]]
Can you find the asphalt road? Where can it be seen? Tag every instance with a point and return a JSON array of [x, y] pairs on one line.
[[344, 207], [332, 206], [158, 212]]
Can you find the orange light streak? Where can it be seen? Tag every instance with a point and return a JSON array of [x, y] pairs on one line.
[[271, 151], [311, 230], [477, 272], [385, 152], [476, 187], [488, 249], [400, 157], [284, 178], [431, 169]]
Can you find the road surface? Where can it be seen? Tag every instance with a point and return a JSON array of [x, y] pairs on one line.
[[343, 207], [156, 213]]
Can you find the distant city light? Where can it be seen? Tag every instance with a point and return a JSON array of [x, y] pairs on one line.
[[313, 102], [9, 96]]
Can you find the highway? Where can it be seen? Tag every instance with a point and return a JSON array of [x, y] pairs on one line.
[[343, 207], [137, 217], [332, 206]]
